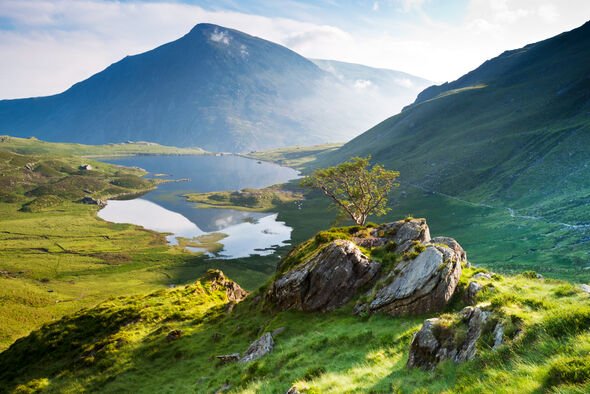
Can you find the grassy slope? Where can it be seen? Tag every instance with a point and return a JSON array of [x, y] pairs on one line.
[[298, 157], [121, 345], [59, 257], [517, 142], [56, 256], [29, 146]]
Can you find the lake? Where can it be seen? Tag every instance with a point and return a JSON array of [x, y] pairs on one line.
[[166, 210]]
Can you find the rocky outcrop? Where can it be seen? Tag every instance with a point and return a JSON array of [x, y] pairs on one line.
[[402, 234], [441, 339], [423, 282], [328, 280], [217, 280], [420, 285], [259, 348]]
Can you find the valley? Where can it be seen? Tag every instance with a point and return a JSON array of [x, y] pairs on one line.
[[235, 229]]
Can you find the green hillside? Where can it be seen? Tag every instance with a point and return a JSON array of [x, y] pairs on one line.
[[168, 341], [512, 137]]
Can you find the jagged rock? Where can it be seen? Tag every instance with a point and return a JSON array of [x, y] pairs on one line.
[[498, 335], [482, 275], [93, 201], [405, 232], [402, 233], [420, 285], [585, 288], [174, 335], [217, 280], [451, 243], [259, 348], [293, 390], [471, 295], [228, 358], [437, 340], [328, 280]]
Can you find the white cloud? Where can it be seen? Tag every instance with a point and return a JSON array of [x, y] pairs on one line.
[[362, 84], [59, 42], [405, 82], [221, 36]]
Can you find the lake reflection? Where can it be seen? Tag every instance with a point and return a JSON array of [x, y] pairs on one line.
[[166, 210]]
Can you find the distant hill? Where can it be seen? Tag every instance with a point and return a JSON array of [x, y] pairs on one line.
[[392, 90], [216, 88], [514, 131]]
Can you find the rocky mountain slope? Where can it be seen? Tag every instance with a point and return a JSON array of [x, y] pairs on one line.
[[216, 88]]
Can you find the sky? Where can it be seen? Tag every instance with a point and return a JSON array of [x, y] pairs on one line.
[[48, 45]]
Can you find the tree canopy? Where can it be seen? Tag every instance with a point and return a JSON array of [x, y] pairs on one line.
[[356, 187]]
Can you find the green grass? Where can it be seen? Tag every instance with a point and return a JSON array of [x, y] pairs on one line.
[[33, 146], [121, 345], [298, 157]]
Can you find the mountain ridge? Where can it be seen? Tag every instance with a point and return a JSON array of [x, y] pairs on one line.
[[217, 88]]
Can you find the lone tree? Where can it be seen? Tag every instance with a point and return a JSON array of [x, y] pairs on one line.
[[357, 189]]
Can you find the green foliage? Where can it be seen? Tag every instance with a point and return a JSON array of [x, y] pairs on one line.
[[357, 190], [121, 345], [261, 200], [569, 370], [567, 320]]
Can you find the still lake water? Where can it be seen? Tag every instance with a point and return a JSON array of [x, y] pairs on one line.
[[166, 210]]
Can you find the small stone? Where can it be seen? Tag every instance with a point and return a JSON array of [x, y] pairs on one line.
[[259, 348], [278, 331], [482, 275], [498, 335], [472, 290], [293, 390], [228, 358], [585, 288], [174, 335]]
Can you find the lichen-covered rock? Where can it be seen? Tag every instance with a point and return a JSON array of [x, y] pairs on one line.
[[420, 285], [259, 348], [471, 294], [217, 280], [451, 243], [439, 340], [328, 280]]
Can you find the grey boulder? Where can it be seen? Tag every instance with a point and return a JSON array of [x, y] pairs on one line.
[[436, 340], [328, 280], [421, 285]]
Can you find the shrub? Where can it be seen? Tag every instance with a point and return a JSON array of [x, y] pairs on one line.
[[313, 372], [565, 290], [567, 321], [571, 370]]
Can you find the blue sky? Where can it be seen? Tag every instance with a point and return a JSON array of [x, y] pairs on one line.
[[47, 45]]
